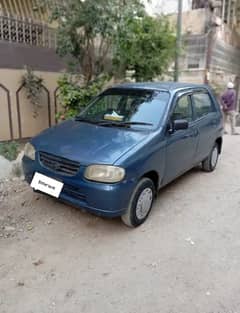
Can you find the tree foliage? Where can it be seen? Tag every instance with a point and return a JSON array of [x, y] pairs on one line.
[[145, 45], [87, 30], [99, 34]]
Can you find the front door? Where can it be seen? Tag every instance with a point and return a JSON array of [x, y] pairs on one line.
[[182, 144]]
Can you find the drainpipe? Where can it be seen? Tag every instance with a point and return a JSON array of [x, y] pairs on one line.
[[229, 12], [237, 87], [234, 12], [179, 40], [223, 10], [210, 43]]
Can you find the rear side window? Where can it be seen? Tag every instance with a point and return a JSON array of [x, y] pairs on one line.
[[202, 104]]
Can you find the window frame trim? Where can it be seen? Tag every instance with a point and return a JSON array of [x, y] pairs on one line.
[[179, 95], [202, 91]]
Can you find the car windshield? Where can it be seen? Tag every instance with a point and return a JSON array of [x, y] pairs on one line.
[[127, 107]]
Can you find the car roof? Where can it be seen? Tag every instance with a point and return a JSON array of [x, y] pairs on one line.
[[170, 86]]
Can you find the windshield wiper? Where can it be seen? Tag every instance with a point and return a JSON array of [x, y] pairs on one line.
[[123, 124], [86, 120], [137, 123], [111, 123]]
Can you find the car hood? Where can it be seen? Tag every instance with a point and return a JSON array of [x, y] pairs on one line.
[[88, 143]]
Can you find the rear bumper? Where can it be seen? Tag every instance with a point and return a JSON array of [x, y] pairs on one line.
[[108, 200]]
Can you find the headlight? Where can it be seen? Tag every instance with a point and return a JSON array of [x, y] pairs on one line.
[[104, 173], [29, 151]]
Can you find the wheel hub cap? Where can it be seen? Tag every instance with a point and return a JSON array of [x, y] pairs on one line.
[[214, 157], [144, 203]]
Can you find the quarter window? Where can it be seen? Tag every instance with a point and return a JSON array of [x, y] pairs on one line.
[[183, 109], [202, 104]]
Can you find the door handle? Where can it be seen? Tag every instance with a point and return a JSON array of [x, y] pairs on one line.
[[192, 134]]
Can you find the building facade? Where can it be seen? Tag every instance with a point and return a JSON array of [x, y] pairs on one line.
[[26, 39], [211, 43]]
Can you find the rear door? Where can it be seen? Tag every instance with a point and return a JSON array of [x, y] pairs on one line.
[[206, 120], [182, 144]]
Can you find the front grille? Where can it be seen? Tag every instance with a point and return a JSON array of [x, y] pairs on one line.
[[73, 192], [59, 165]]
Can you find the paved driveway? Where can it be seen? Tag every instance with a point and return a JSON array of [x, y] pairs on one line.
[[185, 258]]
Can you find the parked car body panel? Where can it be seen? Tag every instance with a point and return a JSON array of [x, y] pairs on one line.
[[102, 199], [101, 145], [180, 152]]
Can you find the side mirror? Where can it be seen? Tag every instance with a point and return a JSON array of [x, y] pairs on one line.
[[180, 125]]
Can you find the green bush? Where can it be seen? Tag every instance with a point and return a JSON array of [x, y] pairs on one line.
[[74, 97], [33, 88], [9, 150]]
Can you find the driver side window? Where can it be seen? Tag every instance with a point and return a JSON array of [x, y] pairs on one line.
[[183, 109]]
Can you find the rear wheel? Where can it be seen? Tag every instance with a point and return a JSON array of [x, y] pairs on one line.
[[140, 204], [210, 163]]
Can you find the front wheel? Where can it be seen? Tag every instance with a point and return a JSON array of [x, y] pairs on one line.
[[140, 204], [211, 161]]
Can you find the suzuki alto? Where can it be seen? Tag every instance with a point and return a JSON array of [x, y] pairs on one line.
[[130, 141]]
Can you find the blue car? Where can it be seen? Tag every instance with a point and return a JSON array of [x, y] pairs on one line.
[[129, 142]]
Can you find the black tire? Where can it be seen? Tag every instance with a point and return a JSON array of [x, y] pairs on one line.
[[210, 163], [135, 217]]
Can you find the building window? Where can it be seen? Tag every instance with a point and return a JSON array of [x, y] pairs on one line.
[[193, 63]]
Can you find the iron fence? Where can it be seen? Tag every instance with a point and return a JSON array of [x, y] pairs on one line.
[[27, 32]]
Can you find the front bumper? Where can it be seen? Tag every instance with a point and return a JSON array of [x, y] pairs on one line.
[[109, 200]]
